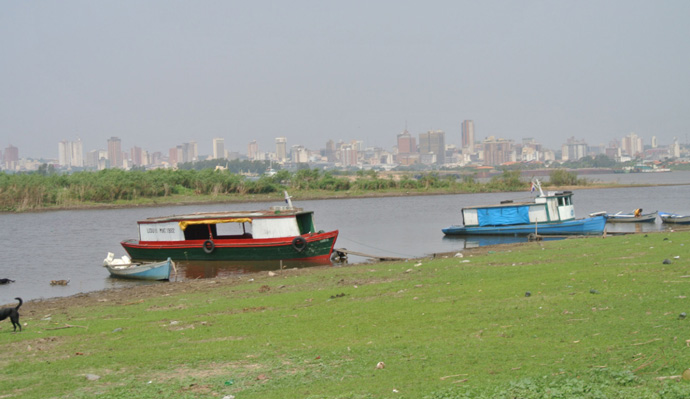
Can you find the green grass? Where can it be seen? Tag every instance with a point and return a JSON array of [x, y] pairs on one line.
[[602, 321]]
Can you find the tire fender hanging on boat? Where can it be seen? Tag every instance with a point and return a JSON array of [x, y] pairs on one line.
[[299, 243], [209, 246]]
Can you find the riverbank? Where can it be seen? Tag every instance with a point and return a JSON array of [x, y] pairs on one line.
[[298, 195], [585, 316]]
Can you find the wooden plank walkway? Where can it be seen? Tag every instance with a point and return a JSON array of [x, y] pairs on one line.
[[345, 251]]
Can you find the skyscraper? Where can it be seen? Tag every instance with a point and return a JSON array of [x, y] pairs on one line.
[[632, 144], [136, 155], [115, 152], [281, 149], [406, 143], [218, 148], [433, 143], [77, 153], [64, 153], [468, 135], [11, 157], [497, 151], [253, 150]]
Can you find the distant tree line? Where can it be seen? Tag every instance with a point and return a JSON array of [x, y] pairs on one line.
[[47, 189]]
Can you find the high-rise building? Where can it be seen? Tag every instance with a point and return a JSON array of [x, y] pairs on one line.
[[281, 149], [497, 151], [137, 156], [468, 135], [114, 152], [78, 153], [573, 150], [65, 153], [253, 150], [632, 145], [191, 151], [433, 143], [71, 154], [218, 148], [11, 157], [406, 143], [299, 154], [348, 155], [173, 156]]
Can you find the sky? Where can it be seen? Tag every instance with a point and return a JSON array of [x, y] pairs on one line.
[[160, 73]]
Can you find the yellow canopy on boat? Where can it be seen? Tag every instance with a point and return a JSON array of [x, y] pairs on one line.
[[185, 223]]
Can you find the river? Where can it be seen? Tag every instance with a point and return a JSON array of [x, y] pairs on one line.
[[70, 245]]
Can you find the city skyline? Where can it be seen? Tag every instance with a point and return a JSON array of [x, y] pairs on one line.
[[158, 72], [427, 148]]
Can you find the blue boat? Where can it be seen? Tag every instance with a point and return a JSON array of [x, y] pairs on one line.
[[124, 268], [548, 214]]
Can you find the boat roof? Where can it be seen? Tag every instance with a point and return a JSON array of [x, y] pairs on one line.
[[510, 203], [273, 212]]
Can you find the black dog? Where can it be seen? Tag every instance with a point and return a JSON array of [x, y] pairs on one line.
[[13, 314], [6, 281]]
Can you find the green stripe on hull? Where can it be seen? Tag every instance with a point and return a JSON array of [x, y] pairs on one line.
[[316, 249]]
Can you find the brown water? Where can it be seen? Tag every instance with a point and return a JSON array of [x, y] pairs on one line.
[[71, 245]]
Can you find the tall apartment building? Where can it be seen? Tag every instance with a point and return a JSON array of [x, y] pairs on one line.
[[78, 153], [71, 154], [632, 145], [114, 152], [137, 156], [253, 150], [299, 154], [406, 143], [11, 157], [218, 148], [330, 151], [433, 143], [348, 155], [497, 151], [65, 153], [573, 150], [281, 149], [467, 129]]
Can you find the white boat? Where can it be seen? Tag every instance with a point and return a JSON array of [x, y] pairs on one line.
[[124, 268], [621, 217], [674, 218]]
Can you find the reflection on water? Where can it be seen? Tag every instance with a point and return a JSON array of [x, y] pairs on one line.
[[192, 270], [470, 241]]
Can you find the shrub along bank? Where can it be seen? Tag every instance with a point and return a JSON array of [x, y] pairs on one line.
[[115, 187]]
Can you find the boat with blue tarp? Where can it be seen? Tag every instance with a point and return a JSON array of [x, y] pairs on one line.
[[552, 213]]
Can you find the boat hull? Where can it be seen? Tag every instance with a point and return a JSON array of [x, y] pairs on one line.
[[145, 271], [674, 219], [319, 246], [588, 226], [630, 218]]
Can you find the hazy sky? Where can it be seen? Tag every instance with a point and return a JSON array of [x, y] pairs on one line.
[[160, 73]]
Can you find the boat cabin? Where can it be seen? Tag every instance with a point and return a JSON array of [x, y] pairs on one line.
[[546, 208], [277, 222]]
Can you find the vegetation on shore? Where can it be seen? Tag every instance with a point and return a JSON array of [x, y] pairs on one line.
[[115, 187], [577, 318]]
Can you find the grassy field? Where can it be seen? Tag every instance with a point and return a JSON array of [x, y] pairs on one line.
[[576, 318]]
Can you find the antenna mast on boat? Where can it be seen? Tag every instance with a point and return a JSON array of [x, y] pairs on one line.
[[537, 184], [288, 200]]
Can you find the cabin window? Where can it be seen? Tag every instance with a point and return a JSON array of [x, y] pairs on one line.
[[199, 232], [563, 201], [233, 230]]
